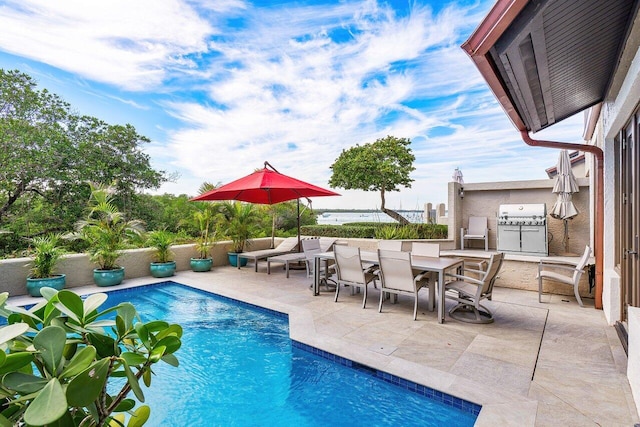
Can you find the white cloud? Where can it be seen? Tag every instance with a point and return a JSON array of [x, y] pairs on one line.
[[133, 45], [291, 83]]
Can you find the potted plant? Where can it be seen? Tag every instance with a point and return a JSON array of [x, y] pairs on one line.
[[107, 232], [46, 254], [241, 225], [161, 241], [205, 240]]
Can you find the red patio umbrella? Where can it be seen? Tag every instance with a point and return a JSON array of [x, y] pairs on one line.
[[266, 186]]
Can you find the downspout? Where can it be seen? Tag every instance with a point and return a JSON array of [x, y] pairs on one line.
[[599, 200]]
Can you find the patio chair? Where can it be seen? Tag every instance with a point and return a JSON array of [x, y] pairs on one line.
[[350, 271], [290, 244], [431, 250], [397, 278], [390, 245], [472, 287], [477, 230], [310, 248], [563, 272]]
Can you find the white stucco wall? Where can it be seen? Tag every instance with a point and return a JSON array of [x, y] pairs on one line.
[[633, 363]]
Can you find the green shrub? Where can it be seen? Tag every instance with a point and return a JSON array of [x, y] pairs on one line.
[[369, 230]]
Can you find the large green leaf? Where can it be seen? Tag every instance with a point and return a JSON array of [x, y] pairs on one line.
[[104, 345], [174, 329], [16, 361], [9, 332], [23, 383], [71, 305], [157, 353], [85, 387], [128, 313], [171, 343], [156, 325], [133, 358], [92, 303], [139, 416], [133, 382], [50, 343], [171, 360], [143, 334], [49, 405], [125, 405], [5, 422], [81, 361]]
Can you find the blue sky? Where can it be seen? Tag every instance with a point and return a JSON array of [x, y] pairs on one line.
[[221, 86]]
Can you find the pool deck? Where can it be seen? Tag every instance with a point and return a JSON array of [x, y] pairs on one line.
[[538, 364]]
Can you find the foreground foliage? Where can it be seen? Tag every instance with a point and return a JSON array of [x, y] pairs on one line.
[[63, 354]]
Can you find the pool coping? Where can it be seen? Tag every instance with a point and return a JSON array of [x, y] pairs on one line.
[[498, 408]]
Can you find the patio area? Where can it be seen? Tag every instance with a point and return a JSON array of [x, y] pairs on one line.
[[537, 365]]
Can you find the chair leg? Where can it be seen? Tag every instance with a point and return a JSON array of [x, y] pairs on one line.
[[415, 307], [539, 288], [380, 305], [364, 299], [337, 292], [577, 293]]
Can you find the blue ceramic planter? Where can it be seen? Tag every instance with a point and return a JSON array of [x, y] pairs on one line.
[[201, 265], [162, 269], [108, 277], [233, 259], [56, 282]]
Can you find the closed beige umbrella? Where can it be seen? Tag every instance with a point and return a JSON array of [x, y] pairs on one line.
[[564, 187]]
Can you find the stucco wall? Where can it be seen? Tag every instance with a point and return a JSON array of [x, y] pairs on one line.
[[79, 271], [633, 363], [484, 199]]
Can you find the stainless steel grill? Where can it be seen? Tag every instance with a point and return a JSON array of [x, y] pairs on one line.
[[523, 229]]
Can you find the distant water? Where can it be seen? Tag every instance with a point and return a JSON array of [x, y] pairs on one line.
[[339, 218]]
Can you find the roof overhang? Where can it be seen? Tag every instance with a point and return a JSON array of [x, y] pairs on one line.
[[546, 60]]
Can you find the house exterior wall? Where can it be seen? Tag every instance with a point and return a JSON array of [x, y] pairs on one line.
[[615, 113]]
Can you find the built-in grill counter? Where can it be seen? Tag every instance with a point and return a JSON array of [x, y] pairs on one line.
[[523, 229]]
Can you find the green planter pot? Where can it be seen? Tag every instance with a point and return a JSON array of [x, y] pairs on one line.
[[108, 277], [201, 265], [162, 269], [233, 259], [56, 282]]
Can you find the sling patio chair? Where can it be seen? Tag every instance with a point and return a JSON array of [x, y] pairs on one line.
[[397, 278], [350, 271], [471, 287], [477, 230], [563, 272]]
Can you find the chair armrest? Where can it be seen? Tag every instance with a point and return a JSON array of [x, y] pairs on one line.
[[557, 262], [465, 278], [542, 266]]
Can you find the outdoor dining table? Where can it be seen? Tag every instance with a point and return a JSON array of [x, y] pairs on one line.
[[437, 265]]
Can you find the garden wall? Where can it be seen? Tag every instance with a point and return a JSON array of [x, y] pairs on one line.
[[79, 271]]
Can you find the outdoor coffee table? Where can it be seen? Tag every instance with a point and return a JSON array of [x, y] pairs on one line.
[[286, 259]]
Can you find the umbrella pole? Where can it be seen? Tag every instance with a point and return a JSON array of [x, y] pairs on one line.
[[566, 235], [299, 247]]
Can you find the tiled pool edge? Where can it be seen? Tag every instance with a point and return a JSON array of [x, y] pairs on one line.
[[438, 396]]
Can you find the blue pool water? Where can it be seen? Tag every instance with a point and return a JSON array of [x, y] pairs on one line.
[[238, 367]]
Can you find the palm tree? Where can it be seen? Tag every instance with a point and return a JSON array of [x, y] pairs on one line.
[[241, 221], [106, 230]]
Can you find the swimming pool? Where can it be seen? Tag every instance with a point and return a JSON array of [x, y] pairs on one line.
[[239, 367]]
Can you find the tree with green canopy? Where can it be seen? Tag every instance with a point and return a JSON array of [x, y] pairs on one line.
[[48, 153], [383, 166]]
